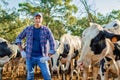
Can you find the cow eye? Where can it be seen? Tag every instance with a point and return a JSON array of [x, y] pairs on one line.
[[115, 25]]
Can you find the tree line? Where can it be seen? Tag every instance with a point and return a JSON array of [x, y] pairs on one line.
[[58, 16]]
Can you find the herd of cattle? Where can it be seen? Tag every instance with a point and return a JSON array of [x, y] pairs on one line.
[[94, 56]]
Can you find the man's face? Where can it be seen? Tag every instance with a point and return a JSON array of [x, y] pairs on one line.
[[38, 19]]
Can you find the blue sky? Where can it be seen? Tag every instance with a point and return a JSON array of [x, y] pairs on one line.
[[107, 5], [103, 6], [14, 3]]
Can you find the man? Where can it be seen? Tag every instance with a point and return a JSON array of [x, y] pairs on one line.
[[36, 50]]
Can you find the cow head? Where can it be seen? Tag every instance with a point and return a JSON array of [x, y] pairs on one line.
[[54, 62], [7, 50], [4, 48], [113, 26], [64, 46], [65, 51]]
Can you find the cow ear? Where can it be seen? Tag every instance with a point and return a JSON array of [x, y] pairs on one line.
[[114, 39]]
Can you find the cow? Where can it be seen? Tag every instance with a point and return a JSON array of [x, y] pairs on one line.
[[113, 26], [7, 52], [108, 66], [96, 46], [68, 50], [53, 62]]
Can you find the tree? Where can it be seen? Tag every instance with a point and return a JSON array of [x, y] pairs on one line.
[[58, 11], [10, 24], [89, 10]]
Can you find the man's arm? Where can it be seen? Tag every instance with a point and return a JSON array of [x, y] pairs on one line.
[[50, 38], [20, 37], [51, 43]]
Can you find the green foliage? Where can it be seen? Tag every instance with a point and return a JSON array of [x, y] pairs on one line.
[[57, 28], [58, 16], [79, 26], [11, 24]]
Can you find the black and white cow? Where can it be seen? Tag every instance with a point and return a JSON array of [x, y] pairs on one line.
[[54, 63], [7, 51], [54, 66], [108, 66], [68, 50], [114, 27], [97, 46]]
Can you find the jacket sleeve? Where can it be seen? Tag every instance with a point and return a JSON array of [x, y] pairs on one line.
[[21, 36], [51, 40]]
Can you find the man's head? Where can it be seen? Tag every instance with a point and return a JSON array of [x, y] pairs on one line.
[[38, 18], [38, 14]]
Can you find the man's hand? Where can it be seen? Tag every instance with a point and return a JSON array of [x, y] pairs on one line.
[[23, 54], [44, 59]]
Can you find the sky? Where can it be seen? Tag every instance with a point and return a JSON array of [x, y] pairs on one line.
[[102, 6], [14, 3], [105, 6]]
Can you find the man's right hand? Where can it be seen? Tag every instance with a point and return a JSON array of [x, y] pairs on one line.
[[23, 54]]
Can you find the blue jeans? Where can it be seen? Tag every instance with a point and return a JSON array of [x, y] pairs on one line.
[[31, 62]]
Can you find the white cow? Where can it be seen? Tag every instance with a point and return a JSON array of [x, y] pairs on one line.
[[55, 57], [54, 66], [7, 52], [54, 63], [96, 47], [69, 49]]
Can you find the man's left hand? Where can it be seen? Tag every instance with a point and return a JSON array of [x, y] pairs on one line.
[[44, 59]]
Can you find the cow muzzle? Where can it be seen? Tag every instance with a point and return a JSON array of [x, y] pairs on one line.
[[63, 60], [80, 65]]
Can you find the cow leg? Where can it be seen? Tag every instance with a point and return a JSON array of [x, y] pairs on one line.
[[95, 72], [58, 75], [68, 63], [63, 76], [103, 75], [106, 75], [85, 74], [58, 72], [72, 70], [71, 75], [62, 66]]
